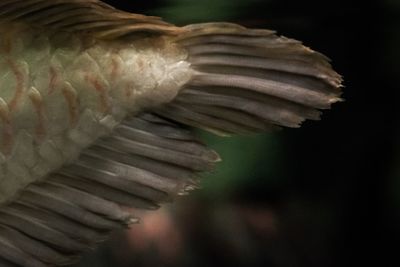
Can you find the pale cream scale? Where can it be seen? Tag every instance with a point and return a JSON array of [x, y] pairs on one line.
[[94, 108]]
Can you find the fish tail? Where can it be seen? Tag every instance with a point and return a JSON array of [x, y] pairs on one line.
[[250, 80]]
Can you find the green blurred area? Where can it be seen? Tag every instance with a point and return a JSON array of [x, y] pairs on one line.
[[246, 161], [192, 11]]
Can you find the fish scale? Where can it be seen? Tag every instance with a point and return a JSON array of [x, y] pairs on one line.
[[96, 106], [63, 92]]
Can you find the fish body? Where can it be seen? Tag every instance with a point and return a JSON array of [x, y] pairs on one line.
[[97, 107], [60, 93]]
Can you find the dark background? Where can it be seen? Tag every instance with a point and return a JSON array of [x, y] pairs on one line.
[[327, 194]]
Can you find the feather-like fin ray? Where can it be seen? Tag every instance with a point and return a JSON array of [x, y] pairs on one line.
[[54, 221], [241, 73], [91, 17]]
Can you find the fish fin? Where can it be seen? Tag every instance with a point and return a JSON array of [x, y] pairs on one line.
[[92, 17], [248, 80], [146, 161]]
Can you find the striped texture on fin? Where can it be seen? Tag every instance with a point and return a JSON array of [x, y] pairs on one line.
[[250, 81], [89, 17], [145, 162]]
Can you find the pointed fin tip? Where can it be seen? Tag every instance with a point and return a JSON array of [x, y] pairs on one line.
[[133, 220], [336, 100], [213, 156]]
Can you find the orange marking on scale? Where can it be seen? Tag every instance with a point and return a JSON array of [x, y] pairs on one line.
[[19, 88], [102, 91], [37, 102], [73, 105], [53, 80]]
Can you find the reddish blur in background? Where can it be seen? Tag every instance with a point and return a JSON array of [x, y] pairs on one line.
[[327, 194]]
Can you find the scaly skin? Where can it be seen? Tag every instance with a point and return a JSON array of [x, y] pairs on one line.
[[60, 93]]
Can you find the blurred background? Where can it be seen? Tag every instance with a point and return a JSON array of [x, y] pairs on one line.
[[327, 194]]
